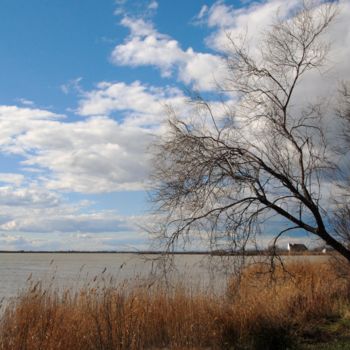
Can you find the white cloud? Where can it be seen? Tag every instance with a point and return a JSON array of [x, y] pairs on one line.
[[25, 102], [203, 11], [72, 85], [68, 223], [202, 70], [66, 228], [138, 26], [34, 197], [153, 5], [15, 121], [142, 105], [105, 152], [140, 9], [11, 178], [97, 154], [146, 46], [256, 17], [36, 218]]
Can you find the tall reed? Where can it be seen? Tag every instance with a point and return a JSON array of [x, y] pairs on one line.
[[258, 311]]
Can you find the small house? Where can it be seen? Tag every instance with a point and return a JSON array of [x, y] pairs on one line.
[[296, 248]]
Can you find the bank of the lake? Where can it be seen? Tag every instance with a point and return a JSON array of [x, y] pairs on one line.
[[304, 307]]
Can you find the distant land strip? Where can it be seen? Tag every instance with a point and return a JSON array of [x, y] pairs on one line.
[[152, 252]]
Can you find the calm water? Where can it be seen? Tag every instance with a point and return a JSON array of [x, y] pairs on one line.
[[76, 269]]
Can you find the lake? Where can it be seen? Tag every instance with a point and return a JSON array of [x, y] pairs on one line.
[[73, 270]]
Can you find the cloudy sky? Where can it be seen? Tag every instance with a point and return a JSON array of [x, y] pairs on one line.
[[84, 85]]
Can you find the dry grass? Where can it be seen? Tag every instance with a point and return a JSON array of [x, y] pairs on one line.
[[257, 313]]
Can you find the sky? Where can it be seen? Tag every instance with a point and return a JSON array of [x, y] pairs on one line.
[[83, 91]]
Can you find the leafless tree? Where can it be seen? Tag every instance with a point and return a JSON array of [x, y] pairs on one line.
[[221, 175]]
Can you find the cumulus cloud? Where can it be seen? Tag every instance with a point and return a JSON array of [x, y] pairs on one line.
[[106, 151], [94, 155], [15, 121], [142, 105], [34, 197], [254, 18], [146, 46]]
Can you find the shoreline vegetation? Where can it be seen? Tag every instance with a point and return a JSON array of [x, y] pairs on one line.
[[302, 305]]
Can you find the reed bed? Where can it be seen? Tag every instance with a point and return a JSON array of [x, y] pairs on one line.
[[258, 311]]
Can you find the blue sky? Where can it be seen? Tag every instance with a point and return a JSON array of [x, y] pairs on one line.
[[83, 88]]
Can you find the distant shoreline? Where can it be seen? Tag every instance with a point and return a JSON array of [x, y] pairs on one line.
[[147, 252]]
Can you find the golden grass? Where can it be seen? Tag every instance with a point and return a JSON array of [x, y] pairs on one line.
[[255, 313]]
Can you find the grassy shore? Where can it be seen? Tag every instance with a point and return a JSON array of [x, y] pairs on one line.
[[307, 307]]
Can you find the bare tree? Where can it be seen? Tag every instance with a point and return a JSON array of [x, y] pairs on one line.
[[222, 175]]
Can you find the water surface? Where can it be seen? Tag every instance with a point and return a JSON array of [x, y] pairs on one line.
[[72, 270]]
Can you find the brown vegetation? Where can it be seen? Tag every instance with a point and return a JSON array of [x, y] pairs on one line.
[[258, 311]]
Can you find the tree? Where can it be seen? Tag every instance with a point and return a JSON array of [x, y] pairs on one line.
[[269, 155]]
